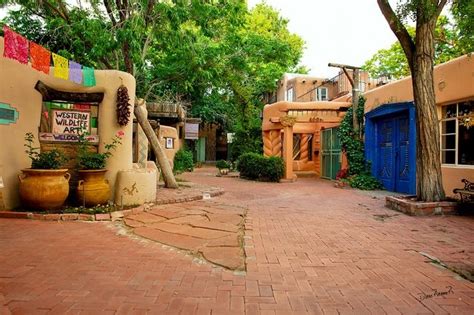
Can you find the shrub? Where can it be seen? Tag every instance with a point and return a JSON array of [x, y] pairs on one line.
[[183, 161], [273, 169], [255, 166], [247, 140], [364, 181], [222, 164]]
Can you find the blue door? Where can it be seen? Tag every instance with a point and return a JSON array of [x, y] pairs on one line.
[[393, 167]]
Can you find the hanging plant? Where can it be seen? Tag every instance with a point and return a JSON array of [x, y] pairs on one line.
[[123, 107]]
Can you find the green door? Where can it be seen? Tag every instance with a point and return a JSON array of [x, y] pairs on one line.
[[201, 149], [331, 153]]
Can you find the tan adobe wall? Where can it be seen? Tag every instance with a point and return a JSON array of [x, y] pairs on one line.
[[453, 80], [17, 83], [169, 132]]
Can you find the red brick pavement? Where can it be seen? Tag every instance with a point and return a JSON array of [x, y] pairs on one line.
[[311, 248]]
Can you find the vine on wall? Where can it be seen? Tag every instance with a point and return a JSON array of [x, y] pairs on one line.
[[352, 143]]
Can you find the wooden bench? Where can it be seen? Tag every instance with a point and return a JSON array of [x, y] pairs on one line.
[[466, 193]]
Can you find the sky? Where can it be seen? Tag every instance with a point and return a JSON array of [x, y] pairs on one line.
[[338, 31]]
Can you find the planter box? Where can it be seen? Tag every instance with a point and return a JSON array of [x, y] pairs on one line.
[[410, 206]]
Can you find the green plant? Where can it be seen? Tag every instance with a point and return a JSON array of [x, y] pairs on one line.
[[246, 140], [353, 145], [91, 160], [256, 166], [183, 161], [222, 164], [364, 181], [53, 159]]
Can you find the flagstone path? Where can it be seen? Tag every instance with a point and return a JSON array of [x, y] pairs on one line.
[[210, 229]]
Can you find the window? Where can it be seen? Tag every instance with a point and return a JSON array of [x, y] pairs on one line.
[[457, 134], [322, 94], [169, 144], [289, 95]]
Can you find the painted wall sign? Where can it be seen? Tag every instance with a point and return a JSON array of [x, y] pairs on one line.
[[70, 122], [8, 114], [191, 131], [54, 137]]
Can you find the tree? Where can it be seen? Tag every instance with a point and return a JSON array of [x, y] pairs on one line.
[[218, 56], [452, 40], [420, 53]]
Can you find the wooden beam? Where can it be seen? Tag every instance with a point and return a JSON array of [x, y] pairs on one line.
[[50, 94]]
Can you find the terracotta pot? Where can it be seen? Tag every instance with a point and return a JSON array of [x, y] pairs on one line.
[[44, 189], [93, 187]]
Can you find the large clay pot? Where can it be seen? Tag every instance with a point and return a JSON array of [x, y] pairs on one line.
[[93, 188], [44, 189]]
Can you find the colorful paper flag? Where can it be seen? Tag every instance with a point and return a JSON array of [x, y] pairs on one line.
[[61, 67], [40, 58], [89, 76], [75, 72], [16, 46]]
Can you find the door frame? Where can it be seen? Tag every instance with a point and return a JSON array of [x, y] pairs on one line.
[[330, 152], [371, 132]]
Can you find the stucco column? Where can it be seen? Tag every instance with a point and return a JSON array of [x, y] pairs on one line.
[[287, 122]]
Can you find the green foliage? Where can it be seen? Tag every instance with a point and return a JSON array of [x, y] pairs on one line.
[[364, 181], [222, 164], [53, 159], [353, 146], [92, 210], [91, 160], [352, 143], [255, 166], [219, 56], [183, 161], [452, 39]]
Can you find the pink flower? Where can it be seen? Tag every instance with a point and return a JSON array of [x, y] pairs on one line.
[[120, 134]]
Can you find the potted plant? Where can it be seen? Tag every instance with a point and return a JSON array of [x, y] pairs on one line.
[[223, 167], [93, 188], [44, 186]]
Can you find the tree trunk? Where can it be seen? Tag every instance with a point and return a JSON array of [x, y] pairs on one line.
[[429, 186], [170, 181]]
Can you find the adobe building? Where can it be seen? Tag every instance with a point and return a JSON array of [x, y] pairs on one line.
[[390, 133], [293, 87], [24, 109], [304, 135]]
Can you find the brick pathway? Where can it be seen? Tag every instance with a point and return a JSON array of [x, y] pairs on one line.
[[311, 248]]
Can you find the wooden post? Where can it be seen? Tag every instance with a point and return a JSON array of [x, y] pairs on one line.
[[355, 91], [288, 122], [355, 100], [170, 181], [288, 152]]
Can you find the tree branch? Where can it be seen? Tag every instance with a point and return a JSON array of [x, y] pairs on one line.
[[398, 29], [441, 5], [109, 12]]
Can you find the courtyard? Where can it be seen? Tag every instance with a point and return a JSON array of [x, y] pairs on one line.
[[309, 248]]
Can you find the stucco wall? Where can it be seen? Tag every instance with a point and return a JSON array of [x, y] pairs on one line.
[[169, 132], [17, 83], [453, 82]]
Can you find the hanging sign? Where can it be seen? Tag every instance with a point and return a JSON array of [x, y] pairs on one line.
[[191, 131], [70, 122]]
